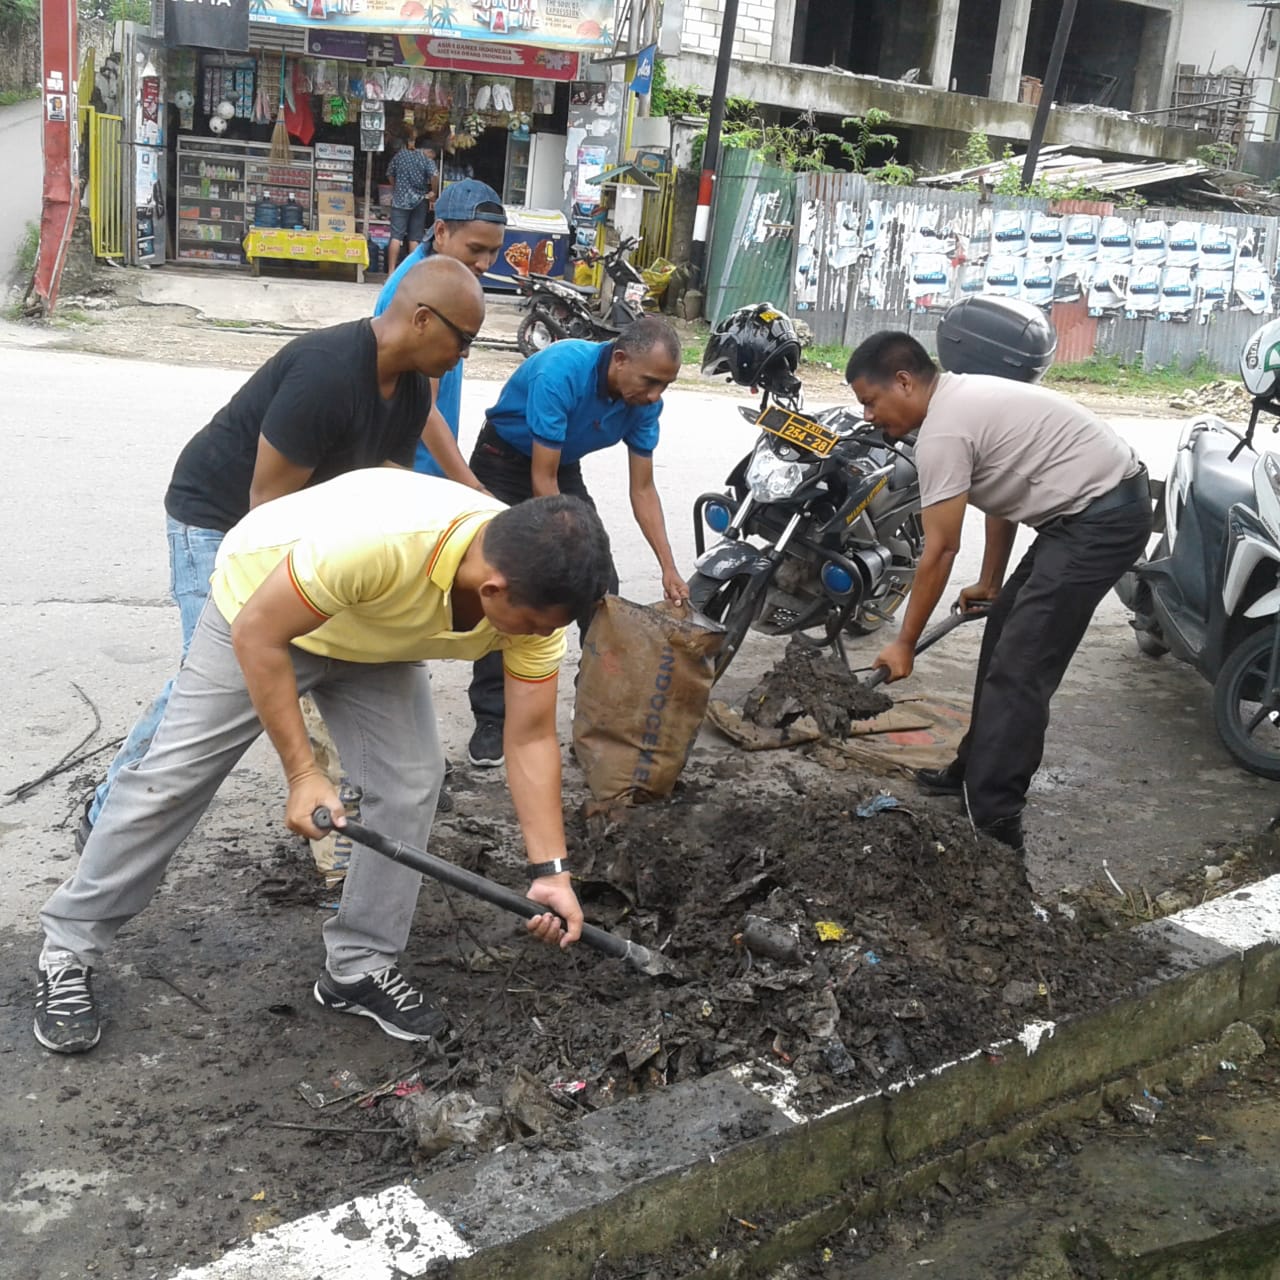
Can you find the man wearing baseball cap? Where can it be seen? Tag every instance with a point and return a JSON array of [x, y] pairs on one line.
[[470, 225]]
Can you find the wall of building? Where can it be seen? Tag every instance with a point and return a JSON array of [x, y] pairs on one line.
[[1217, 34], [753, 39]]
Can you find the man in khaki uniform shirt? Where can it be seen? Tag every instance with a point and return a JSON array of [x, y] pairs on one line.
[[1023, 455]]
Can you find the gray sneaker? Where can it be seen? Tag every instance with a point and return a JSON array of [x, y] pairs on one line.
[[66, 1016], [387, 997]]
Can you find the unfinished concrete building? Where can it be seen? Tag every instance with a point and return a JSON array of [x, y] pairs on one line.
[[1141, 78]]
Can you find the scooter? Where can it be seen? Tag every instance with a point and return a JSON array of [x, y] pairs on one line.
[[1209, 593], [559, 310]]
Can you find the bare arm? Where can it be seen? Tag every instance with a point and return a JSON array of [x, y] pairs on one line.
[[646, 506], [442, 445], [273, 616], [533, 775], [274, 475], [943, 523], [995, 562], [543, 469]]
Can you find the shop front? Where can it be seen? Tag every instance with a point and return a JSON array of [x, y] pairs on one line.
[[494, 93]]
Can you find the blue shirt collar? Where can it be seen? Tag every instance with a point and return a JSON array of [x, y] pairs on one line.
[[602, 371]]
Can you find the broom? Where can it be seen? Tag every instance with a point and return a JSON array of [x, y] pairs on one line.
[[280, 134]]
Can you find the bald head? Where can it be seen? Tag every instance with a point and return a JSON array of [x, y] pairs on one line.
[[437, 310], [444, 283]]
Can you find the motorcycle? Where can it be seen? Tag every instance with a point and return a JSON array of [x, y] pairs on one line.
[[559, 310], [1209, 592], [836, 505]]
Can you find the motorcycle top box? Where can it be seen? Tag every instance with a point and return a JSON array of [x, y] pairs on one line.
[[1003, 337]]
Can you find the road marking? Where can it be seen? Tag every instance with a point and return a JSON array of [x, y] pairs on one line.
[[377, 1237], [1239, 920]]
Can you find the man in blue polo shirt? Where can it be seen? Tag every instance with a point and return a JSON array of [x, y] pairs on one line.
[[569, 400], [470, 226]]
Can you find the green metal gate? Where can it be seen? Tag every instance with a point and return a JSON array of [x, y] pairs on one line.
[[752, 235]]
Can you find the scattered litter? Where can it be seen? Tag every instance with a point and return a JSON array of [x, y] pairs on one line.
[[336, 1088], [750, 1226], [1142, 1113], [877, 804], [1115, 884], [829, 931], [567, 1087], [1039, 912], [259, 1196], [457, 1119], [1224, 1065], [1157, 1103], [871, 957]]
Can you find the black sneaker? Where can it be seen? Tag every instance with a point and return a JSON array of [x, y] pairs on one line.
[[485, 748], [941, 782], [387, 997], [66, 1017], [85, 829]]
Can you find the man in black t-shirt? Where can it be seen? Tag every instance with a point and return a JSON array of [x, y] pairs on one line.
[[354, 395]]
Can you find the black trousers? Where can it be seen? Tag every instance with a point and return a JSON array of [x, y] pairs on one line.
[[1032, 632], [506, 473]]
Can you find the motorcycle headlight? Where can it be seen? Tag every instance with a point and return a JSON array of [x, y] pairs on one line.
[[1271, 466], [770, 478]]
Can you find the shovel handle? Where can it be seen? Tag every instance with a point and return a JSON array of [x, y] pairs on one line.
[[478, 886], [930, 638]]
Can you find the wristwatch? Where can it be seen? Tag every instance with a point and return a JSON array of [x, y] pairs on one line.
[[553, 868]]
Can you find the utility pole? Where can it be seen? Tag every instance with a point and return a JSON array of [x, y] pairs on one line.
[[711, 151], [1066, 16], [61, 181]]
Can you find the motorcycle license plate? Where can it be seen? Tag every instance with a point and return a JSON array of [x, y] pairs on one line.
[[798, 430], [634, 293]]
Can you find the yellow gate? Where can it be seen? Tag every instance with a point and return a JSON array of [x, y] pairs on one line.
[[655, 221], [103, 135]]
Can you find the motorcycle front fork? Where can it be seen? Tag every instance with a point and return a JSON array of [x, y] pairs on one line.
[[1273, 677]]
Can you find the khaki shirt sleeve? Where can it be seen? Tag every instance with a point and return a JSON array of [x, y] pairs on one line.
[[946, 467], [534, 658]]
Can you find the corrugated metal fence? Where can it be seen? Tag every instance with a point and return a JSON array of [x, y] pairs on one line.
[[751, 243], [860, 257]]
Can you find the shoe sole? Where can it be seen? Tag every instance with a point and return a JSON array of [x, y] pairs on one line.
[[338, 1005], [79, 1047], [485, 763]]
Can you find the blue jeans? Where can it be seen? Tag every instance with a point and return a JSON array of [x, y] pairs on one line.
[[192, 552]]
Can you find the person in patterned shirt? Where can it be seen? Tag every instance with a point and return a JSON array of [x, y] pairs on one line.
[[415, 184]]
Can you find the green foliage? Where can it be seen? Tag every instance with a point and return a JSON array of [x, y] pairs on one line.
[[10, 96], [15, 14], [803, 147], [667, 99], [1217, 155], [831, 355], [977, 151], [28, 248], [1134, 379], [116, 10]]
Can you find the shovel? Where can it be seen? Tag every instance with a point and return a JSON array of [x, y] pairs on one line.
[[931, 637], [652, 963]]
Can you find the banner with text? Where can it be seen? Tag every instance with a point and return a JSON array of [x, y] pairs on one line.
[[545, 24]]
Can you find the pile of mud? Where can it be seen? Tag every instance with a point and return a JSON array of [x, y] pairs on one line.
[[814, 683], [855, 950]]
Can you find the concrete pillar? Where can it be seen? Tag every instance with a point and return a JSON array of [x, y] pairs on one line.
[[940, 41], [1011, 48], [784, 25], [1154, 54]]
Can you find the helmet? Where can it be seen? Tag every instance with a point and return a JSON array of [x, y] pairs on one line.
[[755, 347], [1260, 361]]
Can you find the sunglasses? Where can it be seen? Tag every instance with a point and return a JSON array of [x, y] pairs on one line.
[[464, 338]]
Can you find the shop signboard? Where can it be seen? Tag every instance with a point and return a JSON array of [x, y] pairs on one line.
[[207, 24], [445, 53], [573, 25]]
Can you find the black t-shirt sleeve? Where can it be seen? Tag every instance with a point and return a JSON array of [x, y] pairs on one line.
[[310, 415]]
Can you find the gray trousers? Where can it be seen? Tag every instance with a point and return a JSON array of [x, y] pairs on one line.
[[381, 718]]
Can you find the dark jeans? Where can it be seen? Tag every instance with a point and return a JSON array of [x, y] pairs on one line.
[[506, 473], [1033, 630]]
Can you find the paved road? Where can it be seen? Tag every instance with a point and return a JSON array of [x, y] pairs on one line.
[[21, 164], [1134, 771]]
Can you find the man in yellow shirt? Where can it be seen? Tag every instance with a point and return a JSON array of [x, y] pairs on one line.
[[343, 590]]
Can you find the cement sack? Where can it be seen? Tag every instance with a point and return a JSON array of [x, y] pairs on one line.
[[643, 687]]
